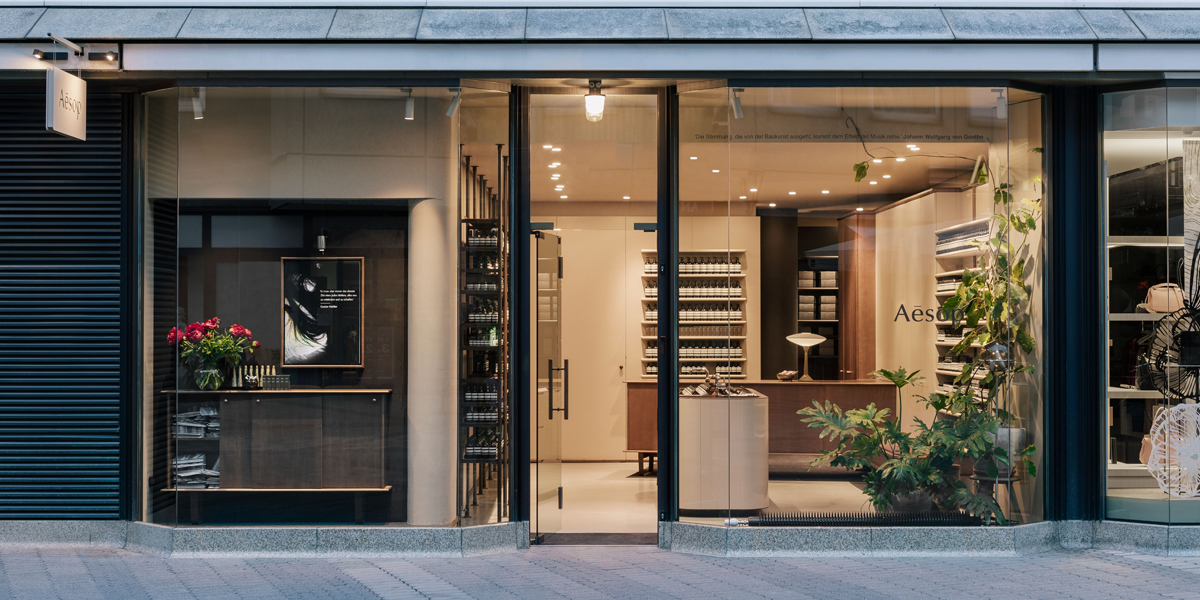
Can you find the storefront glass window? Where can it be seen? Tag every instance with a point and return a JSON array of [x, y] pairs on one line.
[[1150, 161], [889, 245], [303, 255]]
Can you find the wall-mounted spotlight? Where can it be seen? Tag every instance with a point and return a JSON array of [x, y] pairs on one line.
[[737, 103], [454, 103], [1001, 104], [109, 56], [198, 104], [321, 240], [409, 105], [51, 56], [593, 102]]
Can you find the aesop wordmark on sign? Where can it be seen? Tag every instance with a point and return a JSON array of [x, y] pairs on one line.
[[66, 104]]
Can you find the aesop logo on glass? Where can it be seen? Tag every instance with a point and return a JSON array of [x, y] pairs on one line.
[[66, 104]]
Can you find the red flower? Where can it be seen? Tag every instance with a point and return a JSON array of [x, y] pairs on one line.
[[212, 323], [194, 330], [173, 336], [194, 335], [257, 344], [238, 331]]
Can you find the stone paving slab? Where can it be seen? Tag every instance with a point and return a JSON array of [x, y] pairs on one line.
[[81, 573]]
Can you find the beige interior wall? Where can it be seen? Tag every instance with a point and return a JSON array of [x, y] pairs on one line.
[[904, 251], [602, 314]]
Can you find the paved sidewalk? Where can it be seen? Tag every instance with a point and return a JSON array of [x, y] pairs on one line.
[[596, 572]]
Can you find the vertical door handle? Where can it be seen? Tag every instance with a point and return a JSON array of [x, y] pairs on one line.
[[550, 388], [566, 389]]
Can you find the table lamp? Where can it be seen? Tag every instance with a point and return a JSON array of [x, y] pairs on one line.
[[806, 341]]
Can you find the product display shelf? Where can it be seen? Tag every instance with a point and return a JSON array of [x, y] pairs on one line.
[[950, 267], [483, 383], [817, 276], [717, 265]]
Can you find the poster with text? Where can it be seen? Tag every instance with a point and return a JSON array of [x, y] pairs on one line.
[[322, 312]]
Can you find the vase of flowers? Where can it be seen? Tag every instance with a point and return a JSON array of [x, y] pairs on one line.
[[210, 352]]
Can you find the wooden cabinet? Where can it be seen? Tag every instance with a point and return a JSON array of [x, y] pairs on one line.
[[300, 439]]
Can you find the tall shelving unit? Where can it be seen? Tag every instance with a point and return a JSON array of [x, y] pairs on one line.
[[955, 252], [483, 391], [712, 314], [824, 317]]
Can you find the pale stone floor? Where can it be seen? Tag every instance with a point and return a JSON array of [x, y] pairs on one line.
[[593, 572]]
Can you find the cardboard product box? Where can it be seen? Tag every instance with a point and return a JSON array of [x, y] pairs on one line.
[[807, 315]]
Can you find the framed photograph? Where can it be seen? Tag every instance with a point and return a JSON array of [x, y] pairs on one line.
[[322, 312]]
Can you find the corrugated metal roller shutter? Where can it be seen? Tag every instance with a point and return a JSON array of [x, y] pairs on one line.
[[61, 334]]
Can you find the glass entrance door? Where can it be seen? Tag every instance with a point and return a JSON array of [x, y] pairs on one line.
[[550, 398]]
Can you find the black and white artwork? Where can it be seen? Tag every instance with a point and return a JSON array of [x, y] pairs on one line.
[[322, 312]]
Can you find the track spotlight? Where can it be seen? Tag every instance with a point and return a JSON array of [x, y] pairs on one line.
[[409, 105], [109, 56], [737, 103], [38, 54], [593, 102], [1001, 104], [454, 103]]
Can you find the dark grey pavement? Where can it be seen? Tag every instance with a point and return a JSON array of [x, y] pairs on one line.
[[593, 572]]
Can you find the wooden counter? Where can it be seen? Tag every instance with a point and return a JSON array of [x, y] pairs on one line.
[[787, 433]]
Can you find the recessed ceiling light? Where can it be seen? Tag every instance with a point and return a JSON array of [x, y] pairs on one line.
[[874, 183], [558, 229], [754, 189], [901, 159], [914, 148], [878, 160], [791, 193], [824, 191], [887, 176], [626, 197], [548, 146], [556, 149], [910, 145], [552, 166], [695, 157], [772, 205], [741, 197], [716, 170], [557, 163], [563, 197], [859, 209]]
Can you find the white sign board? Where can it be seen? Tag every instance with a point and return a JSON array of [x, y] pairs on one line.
[[66, 104]]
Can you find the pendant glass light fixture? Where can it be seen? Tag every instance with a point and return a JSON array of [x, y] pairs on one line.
[[593, 102]]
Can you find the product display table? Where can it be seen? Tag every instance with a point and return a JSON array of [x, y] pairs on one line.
[[722, 455]]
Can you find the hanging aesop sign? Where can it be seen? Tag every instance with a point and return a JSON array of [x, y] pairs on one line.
[[66, 104]]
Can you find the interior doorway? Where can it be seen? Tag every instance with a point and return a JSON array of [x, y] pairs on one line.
[[593, 191]]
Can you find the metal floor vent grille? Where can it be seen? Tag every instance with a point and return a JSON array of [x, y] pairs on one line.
[[864, 519]]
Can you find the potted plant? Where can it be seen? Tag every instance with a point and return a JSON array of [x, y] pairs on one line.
[[210, 352]]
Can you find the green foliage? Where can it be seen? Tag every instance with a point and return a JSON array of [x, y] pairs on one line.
[[899, 463], [860, 171], [993, 299]]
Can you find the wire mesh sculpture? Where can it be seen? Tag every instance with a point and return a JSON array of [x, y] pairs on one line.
[[1174, 369]]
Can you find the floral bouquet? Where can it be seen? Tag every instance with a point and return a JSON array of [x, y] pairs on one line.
[[210, 351]]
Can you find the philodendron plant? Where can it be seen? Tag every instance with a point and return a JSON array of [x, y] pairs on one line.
[[993, 298]]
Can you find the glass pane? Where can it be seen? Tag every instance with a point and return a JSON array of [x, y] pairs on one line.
[[593, 181], [284, 256], [722, 426], [1143, 249], [874, 223]]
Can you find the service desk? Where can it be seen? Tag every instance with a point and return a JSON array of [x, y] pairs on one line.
[[786, 433]]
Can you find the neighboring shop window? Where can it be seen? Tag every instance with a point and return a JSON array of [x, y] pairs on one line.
[[1150, 180]]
